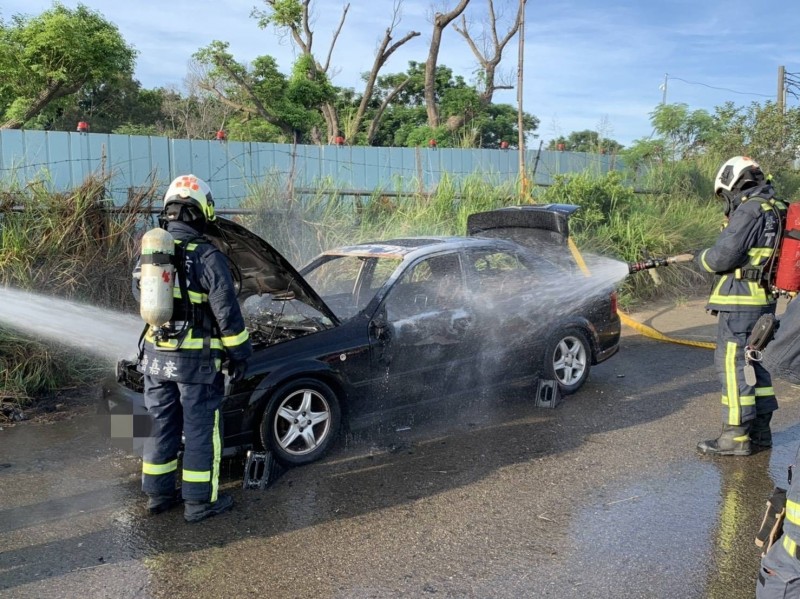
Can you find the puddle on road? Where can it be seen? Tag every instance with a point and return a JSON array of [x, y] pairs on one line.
[[66, 502], [693, 530]]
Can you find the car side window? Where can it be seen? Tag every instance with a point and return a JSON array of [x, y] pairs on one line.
[[434, 284], [497, 269]]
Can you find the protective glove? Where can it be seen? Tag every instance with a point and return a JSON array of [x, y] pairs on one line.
[[236, 370]]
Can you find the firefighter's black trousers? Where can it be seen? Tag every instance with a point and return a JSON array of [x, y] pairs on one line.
[[740, 401], [193, 409]]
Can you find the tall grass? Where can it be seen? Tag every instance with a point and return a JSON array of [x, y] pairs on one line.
[[614, 221], [301, 226], [69, 245]]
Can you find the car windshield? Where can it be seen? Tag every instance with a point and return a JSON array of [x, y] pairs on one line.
[[347, 282]]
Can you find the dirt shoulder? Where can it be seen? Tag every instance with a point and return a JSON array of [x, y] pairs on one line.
[[63, 405]]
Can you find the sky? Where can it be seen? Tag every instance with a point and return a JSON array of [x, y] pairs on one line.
[[588, 64]]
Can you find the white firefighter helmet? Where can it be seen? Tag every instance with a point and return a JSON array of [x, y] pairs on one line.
[[188, 189], [733, 171]]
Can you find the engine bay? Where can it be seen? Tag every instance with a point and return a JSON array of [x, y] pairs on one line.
[[269, 328]]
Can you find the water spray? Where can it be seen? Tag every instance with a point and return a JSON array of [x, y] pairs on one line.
[[658, 262]]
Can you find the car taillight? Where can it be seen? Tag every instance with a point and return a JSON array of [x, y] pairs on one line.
[[613, 303]]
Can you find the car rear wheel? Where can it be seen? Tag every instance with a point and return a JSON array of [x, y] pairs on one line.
[[568, 359], [300, 421]]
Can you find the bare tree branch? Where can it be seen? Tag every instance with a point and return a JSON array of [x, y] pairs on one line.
[[381, 56], [335, 37], [491, 57], [376, 120]]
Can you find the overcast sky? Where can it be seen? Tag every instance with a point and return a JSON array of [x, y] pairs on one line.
[[589, 64]]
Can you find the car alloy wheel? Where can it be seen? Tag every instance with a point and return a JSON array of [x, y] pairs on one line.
[[569, 359], [301, 421]]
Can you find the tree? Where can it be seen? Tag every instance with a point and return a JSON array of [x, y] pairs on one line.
[[467, 120], [491, 53], [262, 91], [119, 102], [687, 131], [766, 132], [54, 55], [293, 17], [440, 22], [585, 141]]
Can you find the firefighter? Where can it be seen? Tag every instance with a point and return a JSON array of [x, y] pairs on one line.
[[740, 258], [182, 363], [779, 574]]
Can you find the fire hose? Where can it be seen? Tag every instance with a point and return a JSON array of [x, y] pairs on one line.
[[650, 331], [634, 267]]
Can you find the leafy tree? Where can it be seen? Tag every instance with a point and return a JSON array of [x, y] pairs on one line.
[[687, 132], [585, 141], [117, 104], [766, 132], [466, 119], [54, 55], [261, 91]]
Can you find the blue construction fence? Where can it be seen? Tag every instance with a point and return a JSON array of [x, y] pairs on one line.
[[63, 160]]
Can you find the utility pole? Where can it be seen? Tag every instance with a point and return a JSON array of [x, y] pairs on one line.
[[523, 182], [781, 89], [664, 89]]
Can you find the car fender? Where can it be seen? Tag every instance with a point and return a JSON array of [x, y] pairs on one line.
[[587, 327], [295, 370]]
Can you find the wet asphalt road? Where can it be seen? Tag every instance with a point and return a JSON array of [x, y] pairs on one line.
[[490, 497]]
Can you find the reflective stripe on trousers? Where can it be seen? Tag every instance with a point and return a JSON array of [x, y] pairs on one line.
[[740, 401], [193, 409]]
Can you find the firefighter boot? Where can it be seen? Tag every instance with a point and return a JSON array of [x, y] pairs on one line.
[[195, 511], [760, 433], [734, 440], [158, 504]]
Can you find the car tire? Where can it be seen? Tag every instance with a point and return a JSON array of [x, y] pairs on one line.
[[568, 359], [300, 421]]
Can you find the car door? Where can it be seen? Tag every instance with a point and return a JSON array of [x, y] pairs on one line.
[[423, 331], [504, 286]]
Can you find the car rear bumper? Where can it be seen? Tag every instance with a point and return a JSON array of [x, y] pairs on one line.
[[604, 355]]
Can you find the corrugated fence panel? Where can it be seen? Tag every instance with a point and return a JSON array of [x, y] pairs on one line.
[[160, 165], [65, 159], [60, 156]]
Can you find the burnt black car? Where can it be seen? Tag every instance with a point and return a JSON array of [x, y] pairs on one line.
[[375, 328]]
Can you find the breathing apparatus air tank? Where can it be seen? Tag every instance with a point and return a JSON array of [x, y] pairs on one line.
[[157, 277], [787, 273]]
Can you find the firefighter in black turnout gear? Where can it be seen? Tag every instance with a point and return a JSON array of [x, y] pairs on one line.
[[742, 259], [182, 362], [779, 574]]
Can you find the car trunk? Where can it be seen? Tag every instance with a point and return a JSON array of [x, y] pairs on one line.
[[544, 229]]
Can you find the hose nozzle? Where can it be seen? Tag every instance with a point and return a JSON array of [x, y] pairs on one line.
[[657, 262]]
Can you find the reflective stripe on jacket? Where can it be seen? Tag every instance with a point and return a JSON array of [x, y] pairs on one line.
[[741, 251]]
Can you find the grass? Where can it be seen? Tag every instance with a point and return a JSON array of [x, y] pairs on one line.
[[67, 245]]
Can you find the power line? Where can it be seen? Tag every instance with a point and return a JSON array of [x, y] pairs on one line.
[[725, 89]]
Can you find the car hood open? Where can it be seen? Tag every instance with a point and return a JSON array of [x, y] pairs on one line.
[[259, 268]]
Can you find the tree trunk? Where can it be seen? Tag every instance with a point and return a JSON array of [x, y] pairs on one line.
[[53, 92], [440, 21]]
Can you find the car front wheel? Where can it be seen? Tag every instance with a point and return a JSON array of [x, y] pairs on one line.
[[568, 359], [300, 421]]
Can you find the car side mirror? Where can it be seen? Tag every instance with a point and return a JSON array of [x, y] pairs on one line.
[[379, 326]]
